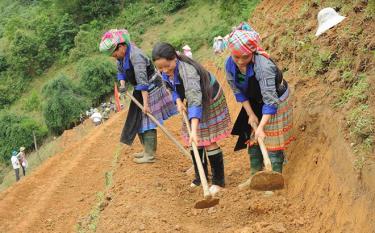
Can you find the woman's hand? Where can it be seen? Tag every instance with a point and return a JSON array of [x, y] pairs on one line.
[[180, 106], [193, 138], [259, 133], [253, 121], [194, 130], [146, 109]]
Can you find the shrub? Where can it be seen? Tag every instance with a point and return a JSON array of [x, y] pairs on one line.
[[33, 102], [66, 31], [17, 130], [3, 63], [172, 6], [28, 55], [63, 104], [11, 86], [84, 11], [86, 41], [97, 76]]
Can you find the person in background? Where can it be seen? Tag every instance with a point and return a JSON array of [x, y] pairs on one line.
[[15, 164], [96, 117], [187, 51], [214, 45], [218, 45], [106, 112], [22, 159]]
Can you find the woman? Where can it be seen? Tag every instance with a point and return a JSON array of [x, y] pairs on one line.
[[258, 85], [206, 108], [135, 67], [16, 164], [187, 51], [22, 158]]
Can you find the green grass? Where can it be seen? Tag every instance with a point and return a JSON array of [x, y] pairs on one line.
[[361, 122], [191, 25], [358, 92]]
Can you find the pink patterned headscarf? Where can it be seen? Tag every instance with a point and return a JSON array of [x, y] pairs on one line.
[[245, 40], [112, 38]]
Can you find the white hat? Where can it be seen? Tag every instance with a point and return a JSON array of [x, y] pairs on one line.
[[22, 148], [327, 18], [186, 47], [219, 38]]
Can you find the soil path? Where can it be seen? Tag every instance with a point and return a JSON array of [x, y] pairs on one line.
[[64, 187]]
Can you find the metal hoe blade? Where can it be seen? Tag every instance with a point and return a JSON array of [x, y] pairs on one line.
[[267, 181], [206, 203]]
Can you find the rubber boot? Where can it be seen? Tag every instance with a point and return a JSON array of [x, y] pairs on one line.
[[256, 159], [140, 154], [256, 164], [202, 155], [217, 166], [277, 160], [150, 143]]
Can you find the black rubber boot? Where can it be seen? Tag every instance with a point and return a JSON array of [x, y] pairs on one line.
[[217, 166], [202, 155]]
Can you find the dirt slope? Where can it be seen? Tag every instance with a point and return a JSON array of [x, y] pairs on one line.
[[64, 187]]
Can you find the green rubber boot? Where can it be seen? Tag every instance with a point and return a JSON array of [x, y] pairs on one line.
[[140, 154], [277, 160], [256, 159], [256, 164], [150, 143]]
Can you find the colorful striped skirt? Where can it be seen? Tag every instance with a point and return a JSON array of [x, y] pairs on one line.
[[278, 130], [162, 107], [215, 126]]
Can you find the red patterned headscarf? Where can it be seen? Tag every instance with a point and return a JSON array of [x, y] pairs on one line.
[[245, 40], [112, 38]]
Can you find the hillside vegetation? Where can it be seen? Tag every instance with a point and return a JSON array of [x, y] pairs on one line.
[[50, 67]]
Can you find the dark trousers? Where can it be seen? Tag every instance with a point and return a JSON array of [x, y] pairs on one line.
[[217, 166], [23, 170], [17, 171]]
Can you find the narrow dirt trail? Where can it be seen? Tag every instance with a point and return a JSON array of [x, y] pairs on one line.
[[64, 187]]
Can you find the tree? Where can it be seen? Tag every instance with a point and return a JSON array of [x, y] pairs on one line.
[[11, 87], [66, 32], [84, 11], [28, 54], [63, 104], [17, 130], [97, 76]]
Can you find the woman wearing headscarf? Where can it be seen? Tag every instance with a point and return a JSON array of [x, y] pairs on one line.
[[206, 107], [259, 86], [136, 68], [23, 161]]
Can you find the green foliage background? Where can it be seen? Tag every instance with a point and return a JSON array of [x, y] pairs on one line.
[[50, 67]]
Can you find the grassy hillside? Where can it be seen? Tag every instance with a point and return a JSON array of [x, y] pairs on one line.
[[190, 22]]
